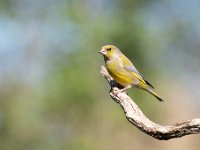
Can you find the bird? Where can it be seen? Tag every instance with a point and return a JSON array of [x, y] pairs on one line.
[[124, 72]]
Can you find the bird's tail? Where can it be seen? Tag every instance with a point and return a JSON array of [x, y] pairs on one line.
[[155, 95]]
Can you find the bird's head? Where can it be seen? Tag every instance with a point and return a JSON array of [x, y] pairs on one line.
[[109, 51]]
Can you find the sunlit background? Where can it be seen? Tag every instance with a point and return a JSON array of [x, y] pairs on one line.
[[52, 96]]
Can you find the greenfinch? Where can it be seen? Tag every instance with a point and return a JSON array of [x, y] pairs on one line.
[[123, 71]]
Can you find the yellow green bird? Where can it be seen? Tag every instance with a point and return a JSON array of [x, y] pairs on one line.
[[123, 71]]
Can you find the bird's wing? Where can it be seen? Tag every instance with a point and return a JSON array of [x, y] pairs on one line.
[[128, 66]]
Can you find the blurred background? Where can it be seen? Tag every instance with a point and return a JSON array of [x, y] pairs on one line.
[[52, 96]]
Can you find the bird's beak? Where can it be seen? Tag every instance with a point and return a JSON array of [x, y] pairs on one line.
[[102, 51]]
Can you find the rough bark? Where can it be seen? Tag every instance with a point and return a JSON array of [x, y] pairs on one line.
[[137, 118]]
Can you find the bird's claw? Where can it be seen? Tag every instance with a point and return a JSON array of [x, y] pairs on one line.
[[116, 91]]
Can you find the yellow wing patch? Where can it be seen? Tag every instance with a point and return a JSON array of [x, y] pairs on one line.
[[138, 77]]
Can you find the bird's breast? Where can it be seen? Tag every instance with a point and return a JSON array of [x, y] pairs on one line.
[[119, 74]]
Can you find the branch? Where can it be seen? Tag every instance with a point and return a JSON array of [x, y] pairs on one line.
[[137, 118]]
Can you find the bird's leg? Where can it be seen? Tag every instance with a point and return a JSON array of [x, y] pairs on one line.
[[122, 90], [126, 88]]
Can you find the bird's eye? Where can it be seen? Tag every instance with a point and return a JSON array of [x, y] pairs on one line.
[[108, 49]]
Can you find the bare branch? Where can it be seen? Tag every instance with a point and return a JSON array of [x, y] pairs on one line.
[[137, 118]]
